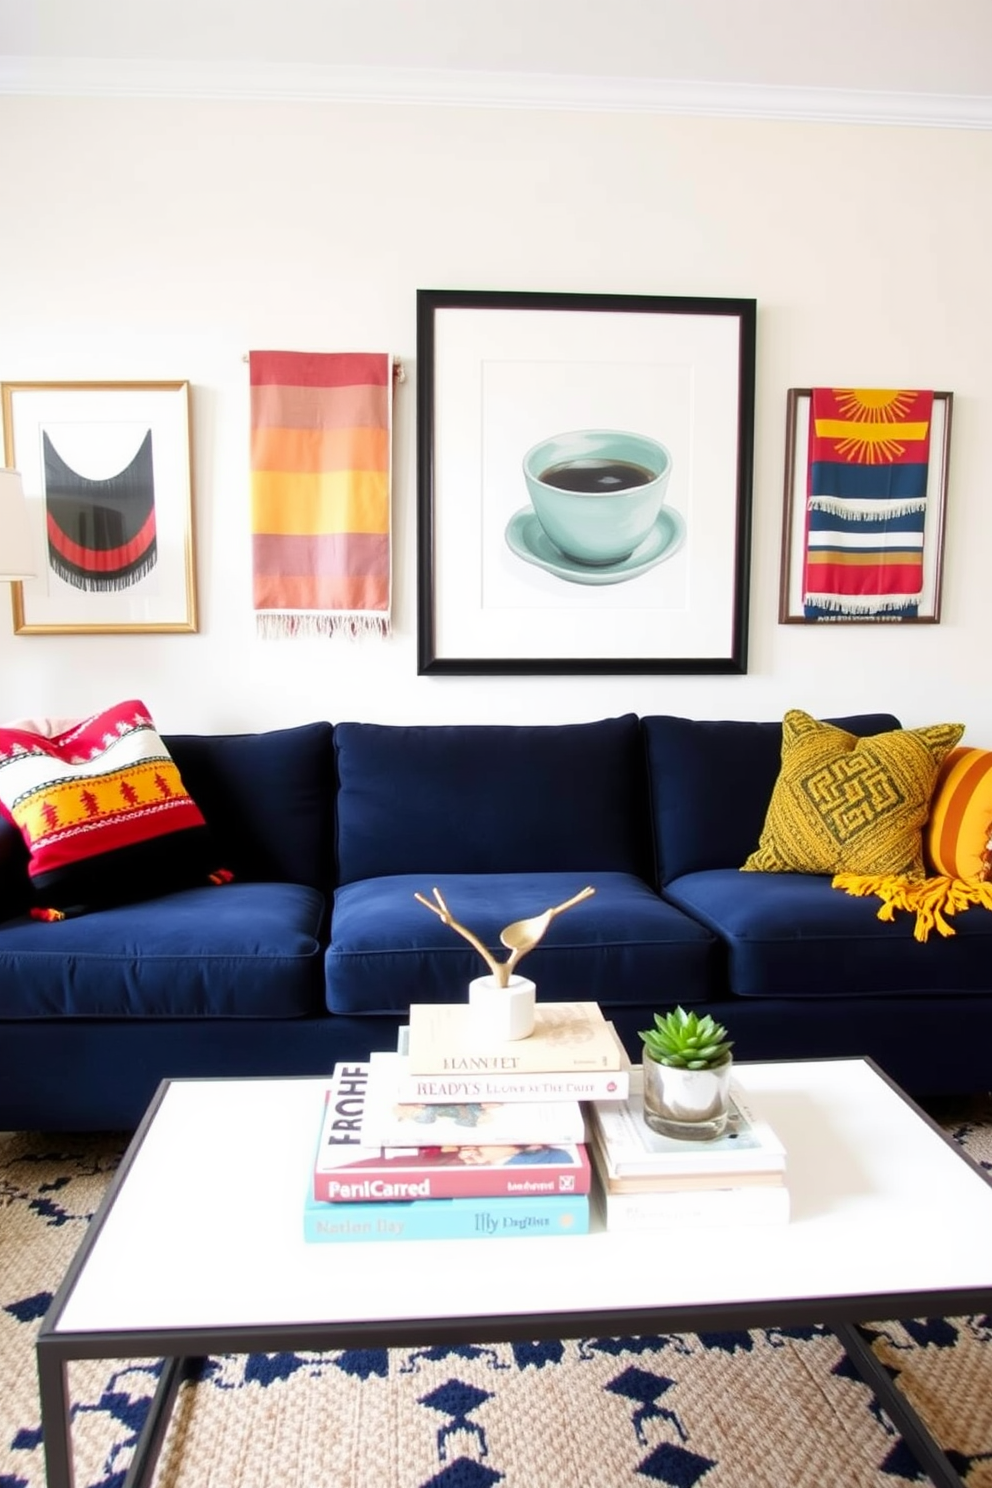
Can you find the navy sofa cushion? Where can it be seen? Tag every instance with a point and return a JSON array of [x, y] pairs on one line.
[[620, 947], [794, 935], [237, 951], [711, 782], [267, 799], [15, 886], [492, 799]]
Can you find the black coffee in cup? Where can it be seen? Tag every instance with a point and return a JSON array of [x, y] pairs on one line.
[[596, 477]]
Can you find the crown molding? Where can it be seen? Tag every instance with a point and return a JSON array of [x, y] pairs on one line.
[[91, 77]]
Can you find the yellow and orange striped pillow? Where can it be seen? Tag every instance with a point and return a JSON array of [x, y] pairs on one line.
[[958, 831]]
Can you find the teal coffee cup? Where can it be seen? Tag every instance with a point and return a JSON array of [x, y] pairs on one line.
[[597, 492]]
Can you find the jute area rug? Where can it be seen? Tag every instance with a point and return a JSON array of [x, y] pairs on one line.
[[721, 1410]]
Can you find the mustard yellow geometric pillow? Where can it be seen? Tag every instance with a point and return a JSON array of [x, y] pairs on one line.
[[844, 804]]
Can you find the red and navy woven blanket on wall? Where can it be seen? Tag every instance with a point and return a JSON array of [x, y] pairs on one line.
[[101, 533], [869, 451]]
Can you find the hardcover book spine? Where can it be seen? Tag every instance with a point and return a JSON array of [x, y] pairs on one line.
[[446, 1219], [571, 1037], [611, 1085], [628, 1149], [378, 1185], [498, 1129], [636, 1177], [721, 1206]]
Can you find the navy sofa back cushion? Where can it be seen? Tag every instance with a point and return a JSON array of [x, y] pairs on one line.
[[480, 798], [15, 886], [711, 782], [268, 800]]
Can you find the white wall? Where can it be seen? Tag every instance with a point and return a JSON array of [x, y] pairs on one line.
[[162, 239]]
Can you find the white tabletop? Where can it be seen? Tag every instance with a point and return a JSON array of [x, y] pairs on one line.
[[207, 1229]]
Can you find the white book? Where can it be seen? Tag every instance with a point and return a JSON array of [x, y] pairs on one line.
[[568, 1038], [657, 1182], [532, 1086], [691, 1207], [630, 1147], [388, 1121]]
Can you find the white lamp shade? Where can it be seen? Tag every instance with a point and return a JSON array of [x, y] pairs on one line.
[[16, 548]]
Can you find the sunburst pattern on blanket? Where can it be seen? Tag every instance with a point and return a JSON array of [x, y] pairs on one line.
[[718, 1410]]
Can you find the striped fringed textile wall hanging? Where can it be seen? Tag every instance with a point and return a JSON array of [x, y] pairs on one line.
[[869, 451], [321, 456]]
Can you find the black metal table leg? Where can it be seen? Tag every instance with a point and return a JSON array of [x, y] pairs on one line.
[[56, 1423], [902, 1415], [152, 1435]]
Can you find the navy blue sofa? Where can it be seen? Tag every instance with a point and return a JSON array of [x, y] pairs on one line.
[[316, 950]]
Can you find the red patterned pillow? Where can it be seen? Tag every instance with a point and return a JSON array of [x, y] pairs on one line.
[[103, 812]]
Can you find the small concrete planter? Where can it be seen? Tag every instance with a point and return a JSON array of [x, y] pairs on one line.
[[692, 1105]]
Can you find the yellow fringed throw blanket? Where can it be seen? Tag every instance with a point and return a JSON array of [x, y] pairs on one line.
[[933, 900]]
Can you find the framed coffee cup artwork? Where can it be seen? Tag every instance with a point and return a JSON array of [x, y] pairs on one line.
[[584, 482]]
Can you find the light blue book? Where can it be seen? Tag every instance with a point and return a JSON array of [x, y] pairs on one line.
[[447, 1219]]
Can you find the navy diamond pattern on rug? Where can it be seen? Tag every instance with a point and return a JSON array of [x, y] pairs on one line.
[[440, 1351], [266, 1369], [364, 1363], [538, 1354], [900, 1463], [646, 1343], [647, 1389], [457, 1400], [931, 1332], [462, 1473], [30, 1309], [675, 1466], [729, 1343]]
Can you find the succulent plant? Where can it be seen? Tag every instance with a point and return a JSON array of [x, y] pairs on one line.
[[685, 1041]]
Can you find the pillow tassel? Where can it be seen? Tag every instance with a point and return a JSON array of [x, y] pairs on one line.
[[933, 900]]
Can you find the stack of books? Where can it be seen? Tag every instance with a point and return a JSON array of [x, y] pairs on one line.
[[449, 1139], [647, 1181]]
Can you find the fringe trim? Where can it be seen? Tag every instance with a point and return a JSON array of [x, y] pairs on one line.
[[933, 900], [871, 511], [278, 625], [102, 583], [850, 605]]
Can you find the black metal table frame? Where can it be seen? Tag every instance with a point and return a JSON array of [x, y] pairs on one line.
[[182, 1349]]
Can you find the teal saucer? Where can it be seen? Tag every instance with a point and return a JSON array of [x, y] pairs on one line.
[[527, 538]]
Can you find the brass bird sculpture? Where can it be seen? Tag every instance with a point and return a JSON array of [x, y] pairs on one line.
[[519, 937]]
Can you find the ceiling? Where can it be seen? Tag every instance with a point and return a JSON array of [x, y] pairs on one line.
[[930, 62]]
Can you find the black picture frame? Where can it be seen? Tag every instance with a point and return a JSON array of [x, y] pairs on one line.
[[499, 370]]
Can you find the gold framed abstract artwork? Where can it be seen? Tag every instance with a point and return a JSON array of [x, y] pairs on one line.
[[107, 475]]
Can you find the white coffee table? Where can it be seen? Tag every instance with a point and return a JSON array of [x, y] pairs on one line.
[[198, 1249]]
